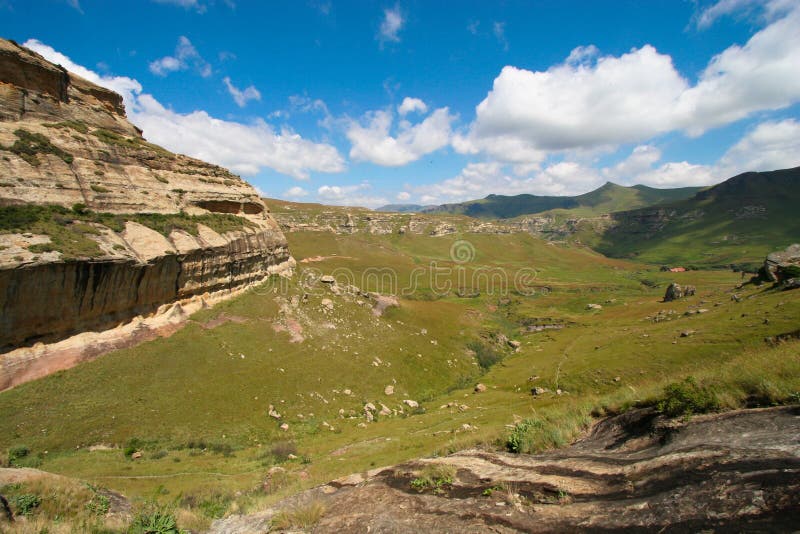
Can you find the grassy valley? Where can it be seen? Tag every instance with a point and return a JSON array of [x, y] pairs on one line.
[[197, 404]]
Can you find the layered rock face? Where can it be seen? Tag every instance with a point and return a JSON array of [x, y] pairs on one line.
[[66, 144]]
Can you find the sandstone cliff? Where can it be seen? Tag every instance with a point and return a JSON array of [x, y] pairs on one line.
[[98, 226]]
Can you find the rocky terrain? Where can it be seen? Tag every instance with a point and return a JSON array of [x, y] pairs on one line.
[[98, 227], [297, 217], [633, 472]]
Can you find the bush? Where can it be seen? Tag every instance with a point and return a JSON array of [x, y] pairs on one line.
[[29, 144], [434, 477], [25, 503], [154, 518], [486, 355], [683, 399], [17, 452], [131, 446]]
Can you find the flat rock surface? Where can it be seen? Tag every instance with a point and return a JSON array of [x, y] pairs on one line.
[[732, 472]]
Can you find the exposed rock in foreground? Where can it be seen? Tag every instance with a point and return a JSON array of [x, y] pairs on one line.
[[738, 471], [100, 229]]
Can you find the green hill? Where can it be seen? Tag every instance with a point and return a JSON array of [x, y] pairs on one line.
[[737, 221], [606, 199]]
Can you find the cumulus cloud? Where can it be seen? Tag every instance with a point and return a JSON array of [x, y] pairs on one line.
[[391, 25], [410, 105], [295, 192], [641, 160], [592, 102], [350, 195], [243, 148], [372, 140], [477, 180], [241, 96], [769, 146], [186, 56], [403, 196]]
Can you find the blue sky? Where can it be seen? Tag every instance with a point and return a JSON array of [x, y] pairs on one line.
[[422, 101]]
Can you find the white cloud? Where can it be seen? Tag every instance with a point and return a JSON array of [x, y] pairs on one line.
[[641, 160], [499, 30], [410, 105], [769, 9], [599, 102], [477, 180], [403, 196], [76, 5], [350, 195], [678, 174], [197, 5], [186, 55], [371, 139], [391, 25], [243, 148], [769, 146], [761, 75], [295, 192], [241, 96]]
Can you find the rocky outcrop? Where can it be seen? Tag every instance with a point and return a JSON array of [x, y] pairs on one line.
[[154, 228], [781, 266], [634, 472]]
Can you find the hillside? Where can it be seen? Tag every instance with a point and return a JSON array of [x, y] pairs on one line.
[[606, 199], [737, 221], [100, 229]]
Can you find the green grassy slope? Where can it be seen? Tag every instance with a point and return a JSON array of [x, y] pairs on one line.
[[737, 221], [197, 386], [606, 199]]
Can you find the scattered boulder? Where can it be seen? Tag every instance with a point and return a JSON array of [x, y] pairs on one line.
[[272, 413], [388, 390], [411, 403], [689, 291], [514, 344], [594, 307], [385, 410], [369, 407], [285, 427], [674, 292], [790, 283], [327, 304], [538, 391], [687, 333], [136, 455], [382, 302], [327, 279], [778, 264], [480, 388]]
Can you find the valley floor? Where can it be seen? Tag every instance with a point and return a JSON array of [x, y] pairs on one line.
[[203, 410]]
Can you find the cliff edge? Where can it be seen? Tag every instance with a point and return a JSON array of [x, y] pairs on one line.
[[101, 229]]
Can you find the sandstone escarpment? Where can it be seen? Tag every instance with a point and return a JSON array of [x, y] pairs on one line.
[[98, 226]]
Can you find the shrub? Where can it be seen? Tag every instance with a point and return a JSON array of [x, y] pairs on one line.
[[154, 518], [303, 516], [99, 188], [131, 446], [25, 503], [29, 144], [685, 398], [17, 452], [486, 355], [434, 477]]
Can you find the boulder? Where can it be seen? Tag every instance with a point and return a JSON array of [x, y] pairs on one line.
[[388, 390], [777, 262], [327, 279], [480, 388], [674, 292], [411, 403], [538, 391], [594, 307], [689, 291]]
